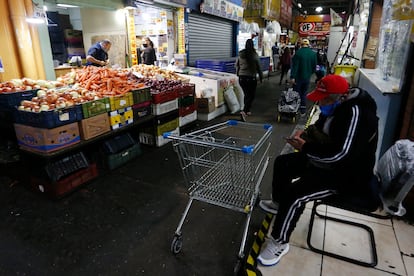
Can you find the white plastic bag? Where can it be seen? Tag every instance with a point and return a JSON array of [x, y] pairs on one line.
[[239, 94], [231, 100]]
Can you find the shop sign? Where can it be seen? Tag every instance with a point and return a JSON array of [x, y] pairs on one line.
[[222, 8], [314, 28], [285, 12]]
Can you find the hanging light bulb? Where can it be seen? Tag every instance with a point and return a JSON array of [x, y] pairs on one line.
[[318, 9]]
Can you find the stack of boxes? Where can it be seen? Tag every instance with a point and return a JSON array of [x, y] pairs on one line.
[[186, 105]]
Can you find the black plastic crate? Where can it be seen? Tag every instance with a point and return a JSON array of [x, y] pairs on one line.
[[66, 166], [11, 100], [118, 143], [51, 118]]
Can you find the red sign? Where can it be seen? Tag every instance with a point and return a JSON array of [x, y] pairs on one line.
[[312, 28]]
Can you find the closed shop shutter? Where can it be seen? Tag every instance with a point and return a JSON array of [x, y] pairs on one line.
[[209, 38]]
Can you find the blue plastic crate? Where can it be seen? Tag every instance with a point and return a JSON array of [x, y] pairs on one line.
[[11, 100], [49, 119]]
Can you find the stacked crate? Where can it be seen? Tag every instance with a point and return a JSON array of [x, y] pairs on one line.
[[119, 150], [186, 104], [121, 113], [165, 108], [95, 118], [142, 102]]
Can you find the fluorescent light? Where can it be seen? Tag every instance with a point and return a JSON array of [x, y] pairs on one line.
[[67, 6], [35, 20], [299, 5], [318, 9]]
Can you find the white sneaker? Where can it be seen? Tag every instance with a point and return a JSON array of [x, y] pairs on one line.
[[272, 252], [269, 206]]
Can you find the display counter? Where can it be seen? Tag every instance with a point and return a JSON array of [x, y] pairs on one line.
[[388, 99]]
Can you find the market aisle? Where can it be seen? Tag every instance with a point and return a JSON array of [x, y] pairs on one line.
[[123, 222]]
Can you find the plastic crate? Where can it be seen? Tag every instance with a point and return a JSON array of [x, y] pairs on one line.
[[117, 159], [162, 108], [93, 108], [118, 143], [141, 95], [65, 166], [121, 101], [121, 117], [185, 110], [158, 141], [141, 109], [49, 119], [11, 100], [186, 101], [186, 89], [65, 185], [189, 118], [163, 96]]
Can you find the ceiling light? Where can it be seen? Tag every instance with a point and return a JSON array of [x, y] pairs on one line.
[[35, 20], [318, 9], [67, 6], [299, 5]]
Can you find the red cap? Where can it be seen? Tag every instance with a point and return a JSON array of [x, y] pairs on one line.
[[331, 84]]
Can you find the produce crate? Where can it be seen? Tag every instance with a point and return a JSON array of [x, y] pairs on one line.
[[141, 95], [65, 166], [118, 143], [121, 117], [184, 120], [46, 140], [65, 185], [185, 110], [11, 100], [49, 119], [162, 108], [186, 89], [117, 159], [121, 101], [186, 101], [96, 107], [94, 126], [141, 109], [158, 141], [164, 96]]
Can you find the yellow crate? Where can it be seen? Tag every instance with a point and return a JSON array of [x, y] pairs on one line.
[[121, 117], [121, 101], [168, 126]]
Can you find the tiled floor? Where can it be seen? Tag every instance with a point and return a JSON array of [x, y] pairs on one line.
[[394, 242]]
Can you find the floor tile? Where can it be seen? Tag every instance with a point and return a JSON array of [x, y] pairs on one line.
[[297, 261], [342, 212], [409, 264], [351, 242], [332, 266], [405, 236], [300, 234]]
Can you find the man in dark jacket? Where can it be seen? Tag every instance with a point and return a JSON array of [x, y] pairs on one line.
[[98, 53], [303, 66], [336, 155]]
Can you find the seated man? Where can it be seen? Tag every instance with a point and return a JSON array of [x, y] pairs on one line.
[[336, 155]]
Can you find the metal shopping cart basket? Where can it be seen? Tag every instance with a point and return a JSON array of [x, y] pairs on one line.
[[223, 165]]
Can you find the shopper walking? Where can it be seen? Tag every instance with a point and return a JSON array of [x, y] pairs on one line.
[[275, 55], [303, 67], [285, 61], [98, 53], [148, 54], [247, 69]]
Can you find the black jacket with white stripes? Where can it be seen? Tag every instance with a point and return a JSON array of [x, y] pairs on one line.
[[351, 148]]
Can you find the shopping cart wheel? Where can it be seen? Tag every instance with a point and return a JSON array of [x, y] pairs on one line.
[[177, 244]]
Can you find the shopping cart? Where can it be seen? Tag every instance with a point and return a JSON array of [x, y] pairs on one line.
[[223, 165]]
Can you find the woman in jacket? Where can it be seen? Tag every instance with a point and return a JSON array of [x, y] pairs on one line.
[[248, 69]]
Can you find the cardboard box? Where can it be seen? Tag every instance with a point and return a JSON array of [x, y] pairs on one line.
[[47, 140], [205, 105], [94, 126]]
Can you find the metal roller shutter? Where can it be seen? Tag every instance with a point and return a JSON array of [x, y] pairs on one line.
[[209, 38]]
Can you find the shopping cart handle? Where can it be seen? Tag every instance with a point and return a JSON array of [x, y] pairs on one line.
[[247, 149], [167, 134]]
